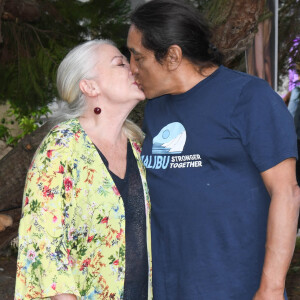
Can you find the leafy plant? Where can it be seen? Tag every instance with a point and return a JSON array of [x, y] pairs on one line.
[[35, 35], [26, 124]]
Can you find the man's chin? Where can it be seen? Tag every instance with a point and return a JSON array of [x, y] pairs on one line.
[[148, 94]]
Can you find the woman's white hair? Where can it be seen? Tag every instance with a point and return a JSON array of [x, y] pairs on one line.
[[76, 66]]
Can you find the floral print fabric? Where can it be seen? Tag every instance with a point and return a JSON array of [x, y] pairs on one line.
[[72, 230]]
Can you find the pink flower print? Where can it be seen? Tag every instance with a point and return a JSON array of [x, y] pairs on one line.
[[116, 191], [53, 285], [71, 260], [31, 255], [54, 219], [70, 234], [68, 184], [26, 201], [90, 238], [77, 135], [61, 169], [116, 262], [85, 264], [137, 148], [120, 234], [49, 153], [47, 192], [104, 220]]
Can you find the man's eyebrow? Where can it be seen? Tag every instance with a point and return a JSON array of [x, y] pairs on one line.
[[133, 51]]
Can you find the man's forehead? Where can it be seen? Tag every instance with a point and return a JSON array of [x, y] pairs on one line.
[[134, 40]]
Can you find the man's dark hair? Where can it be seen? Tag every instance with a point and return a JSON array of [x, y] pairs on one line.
[[169, 22]]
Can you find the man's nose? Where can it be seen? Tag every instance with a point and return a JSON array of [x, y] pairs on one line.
[[133, 66]]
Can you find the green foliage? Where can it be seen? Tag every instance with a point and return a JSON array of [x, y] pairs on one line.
[[26, 123], [4, 132], [107, 19], [32, 51]]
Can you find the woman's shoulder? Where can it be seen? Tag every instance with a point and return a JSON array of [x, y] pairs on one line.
[[70, 126], [61, 138], [64, 131]]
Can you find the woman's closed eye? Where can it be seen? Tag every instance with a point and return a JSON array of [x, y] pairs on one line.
[[123, 64]]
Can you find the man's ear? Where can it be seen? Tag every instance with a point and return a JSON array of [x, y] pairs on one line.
[[174, 57], [89, 87]]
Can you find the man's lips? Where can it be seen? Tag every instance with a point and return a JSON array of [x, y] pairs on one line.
[[138, 85]]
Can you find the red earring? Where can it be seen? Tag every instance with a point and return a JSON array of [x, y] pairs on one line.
[[97, 110]]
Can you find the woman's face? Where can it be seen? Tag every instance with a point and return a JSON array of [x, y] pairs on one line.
[[114, 78]]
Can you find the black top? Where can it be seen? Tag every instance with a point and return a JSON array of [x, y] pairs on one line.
[[136, 259]]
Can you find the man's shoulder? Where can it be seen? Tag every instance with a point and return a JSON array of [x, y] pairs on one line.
[[244, 79]]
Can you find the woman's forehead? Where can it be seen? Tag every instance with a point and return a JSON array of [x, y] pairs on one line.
[[108, 52]]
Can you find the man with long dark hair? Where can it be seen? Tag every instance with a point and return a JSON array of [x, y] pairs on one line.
[[220, 153]]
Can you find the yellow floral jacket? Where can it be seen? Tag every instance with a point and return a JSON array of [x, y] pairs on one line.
[[72, 230]]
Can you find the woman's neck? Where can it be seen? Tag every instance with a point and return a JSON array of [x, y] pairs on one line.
[[105, 127]]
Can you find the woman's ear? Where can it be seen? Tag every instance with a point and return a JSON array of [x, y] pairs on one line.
[[89, 87], [174, 57]]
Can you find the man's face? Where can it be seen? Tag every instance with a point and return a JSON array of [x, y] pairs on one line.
[[150, 75]]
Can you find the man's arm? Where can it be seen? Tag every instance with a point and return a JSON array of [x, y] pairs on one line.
[[284, 191]]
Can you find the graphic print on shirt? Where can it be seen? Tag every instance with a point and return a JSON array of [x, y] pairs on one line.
[[170, 140], [166, 146]]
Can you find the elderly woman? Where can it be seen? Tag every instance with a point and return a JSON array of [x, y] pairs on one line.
[[84, 232]]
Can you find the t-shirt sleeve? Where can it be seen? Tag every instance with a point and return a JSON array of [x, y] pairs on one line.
[[264, 125]]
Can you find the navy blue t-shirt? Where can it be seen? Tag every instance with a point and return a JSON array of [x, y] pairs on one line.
[[204, 152]]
